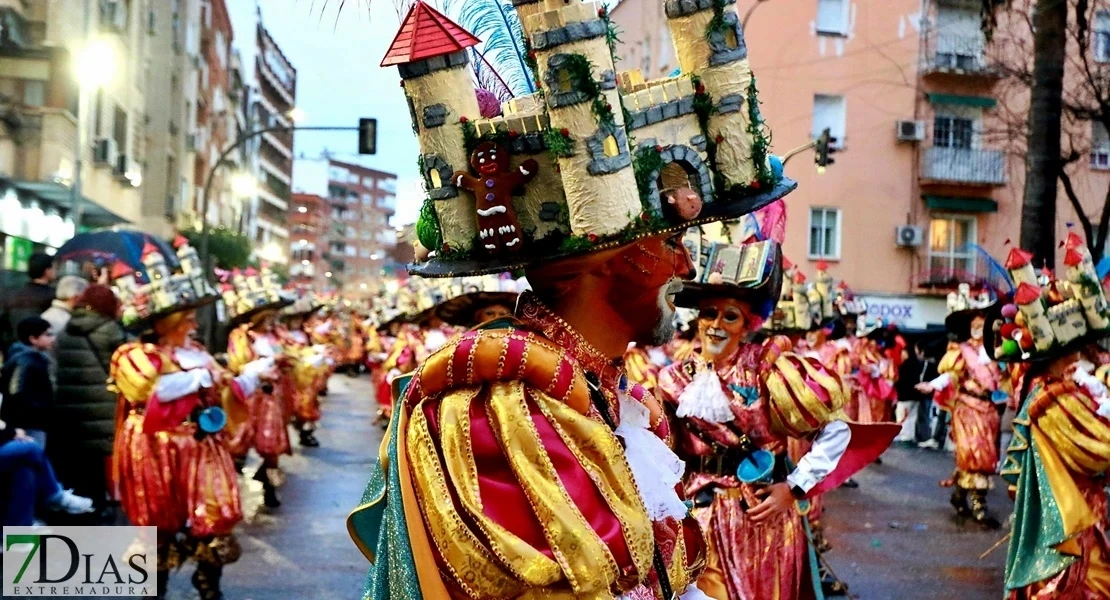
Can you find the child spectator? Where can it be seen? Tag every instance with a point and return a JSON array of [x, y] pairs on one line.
[[32, 480], [26, 379]]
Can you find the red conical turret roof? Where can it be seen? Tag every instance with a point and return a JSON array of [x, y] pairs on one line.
[[1018, 258], [426, 33]]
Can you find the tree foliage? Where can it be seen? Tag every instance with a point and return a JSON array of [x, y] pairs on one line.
[[228, 248]]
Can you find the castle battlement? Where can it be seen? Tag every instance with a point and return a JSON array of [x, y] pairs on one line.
[[565, 21], [517, 124], [529, 105], [658, 100]]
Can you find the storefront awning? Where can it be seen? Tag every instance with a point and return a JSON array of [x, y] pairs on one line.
[[59, 196], [975, 205], [976, 101]]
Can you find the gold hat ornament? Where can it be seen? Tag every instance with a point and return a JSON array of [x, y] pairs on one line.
[[595, 158]]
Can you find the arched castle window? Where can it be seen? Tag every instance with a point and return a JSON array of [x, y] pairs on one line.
[[608, 151], [437, 178], [563, 81], [727, 41]]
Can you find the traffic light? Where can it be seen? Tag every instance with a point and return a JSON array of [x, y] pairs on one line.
[[367, 136], [826, 145]]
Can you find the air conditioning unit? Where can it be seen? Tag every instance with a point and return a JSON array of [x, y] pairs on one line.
[[105, 152], [909, 236], [910, 131]]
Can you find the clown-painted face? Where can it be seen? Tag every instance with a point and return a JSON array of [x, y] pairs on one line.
[[490, 313], [649, 275], [722, 326], [977, 324]]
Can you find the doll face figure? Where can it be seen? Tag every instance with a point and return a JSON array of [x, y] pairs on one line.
[[489, 313], [489, 159], [722, 325], [977, 325]]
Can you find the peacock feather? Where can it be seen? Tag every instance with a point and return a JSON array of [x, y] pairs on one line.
[[989, 272], [497, 24]]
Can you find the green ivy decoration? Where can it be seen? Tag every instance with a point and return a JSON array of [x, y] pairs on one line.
[[646, 164], [428, 231], [581, 70], [559, 142], [761, 139], [530, 59], [470, 134], [717, 23]]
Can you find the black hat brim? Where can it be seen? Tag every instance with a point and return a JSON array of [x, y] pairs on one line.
[[250, 314], [146, 323], [958, 322], [459, 311], [723, 208]]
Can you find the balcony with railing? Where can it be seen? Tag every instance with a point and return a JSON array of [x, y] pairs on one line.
[[968, 166], [957, 54]]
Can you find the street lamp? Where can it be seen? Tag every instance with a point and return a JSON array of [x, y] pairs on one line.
[[295, 114], [243, 185], [94, 67]]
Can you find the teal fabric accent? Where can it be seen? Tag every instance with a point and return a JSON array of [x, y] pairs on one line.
[[811, 556], [958, 100], [383, 527], [1038, 527], [747, 392]]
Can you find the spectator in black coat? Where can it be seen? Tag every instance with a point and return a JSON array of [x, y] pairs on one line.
[[83, 421], [26, 379], [915, 404], [29, 301]]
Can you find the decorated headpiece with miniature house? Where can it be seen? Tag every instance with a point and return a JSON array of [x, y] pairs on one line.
[[250, 292], [1048, 317], [595, 158], [803, 305], [164, 291]]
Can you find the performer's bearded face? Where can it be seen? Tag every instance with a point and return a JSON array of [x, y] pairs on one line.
[[489, 313], [722, 326], [977, 325], [649, 274]]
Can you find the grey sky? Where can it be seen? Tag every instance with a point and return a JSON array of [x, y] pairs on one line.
[[339, 80]]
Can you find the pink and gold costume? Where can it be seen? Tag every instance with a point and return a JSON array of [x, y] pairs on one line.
[[515, 486], [968, 380], [270, 409], [771, 559]]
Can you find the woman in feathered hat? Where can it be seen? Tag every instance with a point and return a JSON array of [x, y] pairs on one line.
[[969, 388], [254, 338], [735, 413], [171, 458], [1057, 461]]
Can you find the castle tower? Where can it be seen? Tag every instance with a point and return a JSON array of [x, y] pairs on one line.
[[524, 10], [430, 53], [713, 49], [579, 82]]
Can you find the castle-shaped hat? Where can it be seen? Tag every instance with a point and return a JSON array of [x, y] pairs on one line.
[[595, 158]]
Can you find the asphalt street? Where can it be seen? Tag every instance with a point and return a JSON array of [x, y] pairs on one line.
[[894, 537]]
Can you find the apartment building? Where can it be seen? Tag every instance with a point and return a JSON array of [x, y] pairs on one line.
[[923, 167], [309, 230], [362, 202], [169, 188], [40, 41], [216, 117], [272, 104]]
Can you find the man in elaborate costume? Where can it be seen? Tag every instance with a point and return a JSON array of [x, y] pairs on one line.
[[737, 405], [1057, 460], [171, 460], [519, 462], [969, 389]]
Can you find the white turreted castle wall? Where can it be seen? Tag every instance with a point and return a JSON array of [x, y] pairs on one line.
[[720, 61], [440, 92], [600, 167]]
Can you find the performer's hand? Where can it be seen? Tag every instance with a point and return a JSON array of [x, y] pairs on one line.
[[923, 387], [776, 498], [22, 436]]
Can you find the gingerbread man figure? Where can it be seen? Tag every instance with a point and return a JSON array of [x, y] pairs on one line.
[[498, 227]]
